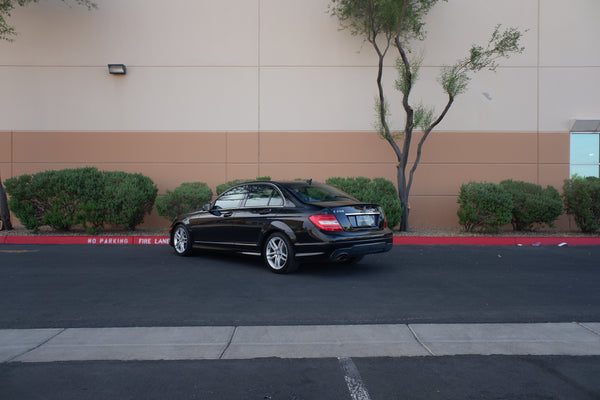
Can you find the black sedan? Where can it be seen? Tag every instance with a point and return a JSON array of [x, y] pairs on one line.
[[285, 223]]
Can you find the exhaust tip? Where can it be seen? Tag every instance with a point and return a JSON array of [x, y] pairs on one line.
[[342, 257]]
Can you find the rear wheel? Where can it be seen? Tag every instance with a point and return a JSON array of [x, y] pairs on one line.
[[182, 241], [279, 254]]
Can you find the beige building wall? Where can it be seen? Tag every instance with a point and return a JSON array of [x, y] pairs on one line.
[[222, 90]]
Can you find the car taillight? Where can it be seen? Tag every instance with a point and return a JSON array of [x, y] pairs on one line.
[[327, 222], [383, 216]]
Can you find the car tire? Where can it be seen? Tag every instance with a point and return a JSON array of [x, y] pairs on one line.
[[182, 241], [279, 255]]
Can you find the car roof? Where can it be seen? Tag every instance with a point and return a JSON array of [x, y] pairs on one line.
[[283, 183]]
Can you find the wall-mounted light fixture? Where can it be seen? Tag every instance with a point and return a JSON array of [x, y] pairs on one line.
[[117, 69]]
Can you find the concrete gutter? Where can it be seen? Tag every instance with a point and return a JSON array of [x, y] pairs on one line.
[[307, 341], [398, 240]]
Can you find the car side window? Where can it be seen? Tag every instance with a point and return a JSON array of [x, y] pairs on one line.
[[232, 198], [263, 196], [276, 199], [258, 195]]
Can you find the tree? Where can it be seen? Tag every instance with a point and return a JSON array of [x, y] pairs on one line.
[[394, 24], [7, 33]]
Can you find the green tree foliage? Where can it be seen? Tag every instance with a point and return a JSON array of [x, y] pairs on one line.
[[395, 24], [7, 32], [582, 200], [379, 191], [187, 197]]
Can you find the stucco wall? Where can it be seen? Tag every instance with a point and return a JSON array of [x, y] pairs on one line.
[[170, 158], [223, 90], [282, 65]]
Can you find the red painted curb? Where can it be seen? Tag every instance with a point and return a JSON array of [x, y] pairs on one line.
[[97, 240], [496, 241], [398, 240]]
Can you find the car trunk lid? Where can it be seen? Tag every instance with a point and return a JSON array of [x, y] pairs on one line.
[[361, 216]]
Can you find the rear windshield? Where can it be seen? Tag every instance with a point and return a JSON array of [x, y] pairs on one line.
[[317, 192]]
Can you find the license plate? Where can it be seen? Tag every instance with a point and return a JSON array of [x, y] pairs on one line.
[[365, 220]]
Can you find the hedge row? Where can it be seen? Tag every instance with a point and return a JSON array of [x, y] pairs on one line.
[[92, 198], [487, 206], [483, 206], [82, 196]]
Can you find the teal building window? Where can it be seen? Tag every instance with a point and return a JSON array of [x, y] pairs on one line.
[[585, 148]]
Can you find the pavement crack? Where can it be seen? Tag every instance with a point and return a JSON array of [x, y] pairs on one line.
[[419, 340], [36, 347], [228, 343], [588, 328]]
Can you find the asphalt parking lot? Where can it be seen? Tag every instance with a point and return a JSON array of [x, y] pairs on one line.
[[466, 294], [420, 378], [51, 286]]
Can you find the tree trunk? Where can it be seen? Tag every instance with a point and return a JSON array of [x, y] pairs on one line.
[[403, 195], [4, 212]]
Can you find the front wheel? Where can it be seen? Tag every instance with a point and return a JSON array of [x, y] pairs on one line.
[[279, 254], [182, 241]]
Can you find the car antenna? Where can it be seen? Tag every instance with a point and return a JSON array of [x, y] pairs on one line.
[[309, 181]]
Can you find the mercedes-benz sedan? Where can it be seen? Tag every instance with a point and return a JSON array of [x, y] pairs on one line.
[[285, 223]]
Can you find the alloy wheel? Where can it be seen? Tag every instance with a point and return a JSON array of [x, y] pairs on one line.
[[181, 240], [277, 253]]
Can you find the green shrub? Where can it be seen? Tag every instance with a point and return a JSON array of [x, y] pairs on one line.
[[127, 198], [188, 196], [582, 200], [223, 187], [82, 196], [378, 190], [532, 204], [59, 199], [483, 207]]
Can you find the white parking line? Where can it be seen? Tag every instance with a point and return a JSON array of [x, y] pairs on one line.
[[356, 387]]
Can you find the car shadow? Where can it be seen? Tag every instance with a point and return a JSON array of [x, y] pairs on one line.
[[317, 267], [333, 269], [233, 259]]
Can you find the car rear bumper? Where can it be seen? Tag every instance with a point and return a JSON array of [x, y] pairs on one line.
[[360, 250], [345, 249]]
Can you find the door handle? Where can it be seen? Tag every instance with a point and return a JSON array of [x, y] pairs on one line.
[[265, 211], [227, 214]]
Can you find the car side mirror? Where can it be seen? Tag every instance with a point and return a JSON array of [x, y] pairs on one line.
[[207, 207]]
